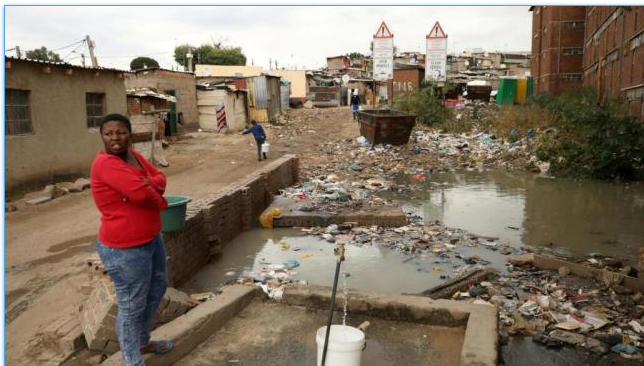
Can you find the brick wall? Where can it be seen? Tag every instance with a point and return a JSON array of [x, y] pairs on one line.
[[614, 54], [183, 83], [556, 31], [214, 221]]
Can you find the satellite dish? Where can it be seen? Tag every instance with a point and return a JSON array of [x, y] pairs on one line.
[[345, 79], [467, 63]]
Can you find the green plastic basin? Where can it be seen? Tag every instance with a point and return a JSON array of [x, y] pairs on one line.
[[173, 217]]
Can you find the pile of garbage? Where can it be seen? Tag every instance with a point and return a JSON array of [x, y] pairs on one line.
[[329, 194], [272, 277], [427, 152], [558, 309]]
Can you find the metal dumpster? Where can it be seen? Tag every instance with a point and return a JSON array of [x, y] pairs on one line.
[[386, 126]]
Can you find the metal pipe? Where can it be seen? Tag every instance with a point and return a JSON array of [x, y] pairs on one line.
[[335, 287]]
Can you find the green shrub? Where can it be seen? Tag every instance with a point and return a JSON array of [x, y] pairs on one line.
[[425, 103], [600, 141]]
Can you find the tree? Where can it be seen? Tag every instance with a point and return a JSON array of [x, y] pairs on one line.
[[180, 53], [355, 56], [43, 54], [209, 55], [216, 54], [143, 63]]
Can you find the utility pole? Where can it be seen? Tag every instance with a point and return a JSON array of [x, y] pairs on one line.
[[83, 59], [18, 51], [270, 63], [90, 46], [189, 57]]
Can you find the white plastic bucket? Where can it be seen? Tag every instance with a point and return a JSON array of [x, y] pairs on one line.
[[345, 346], [265, 147]]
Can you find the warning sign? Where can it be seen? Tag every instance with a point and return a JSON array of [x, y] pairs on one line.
[[383, 53], [436, 54]]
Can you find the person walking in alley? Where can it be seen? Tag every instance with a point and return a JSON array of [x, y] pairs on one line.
[[260, 137], [355, 103], [128, 192]]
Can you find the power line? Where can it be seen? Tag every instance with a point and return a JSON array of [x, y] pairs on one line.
[[74, 50], [62, 48]]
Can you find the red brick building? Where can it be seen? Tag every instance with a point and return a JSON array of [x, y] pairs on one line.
[[614, 54], [597, 46], [557, 48], [407, 78]]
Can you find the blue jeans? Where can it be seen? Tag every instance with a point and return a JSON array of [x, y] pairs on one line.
[[140, 281], [259, 148]]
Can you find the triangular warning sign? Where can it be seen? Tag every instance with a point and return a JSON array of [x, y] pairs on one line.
[[383, 32], [437, 32]]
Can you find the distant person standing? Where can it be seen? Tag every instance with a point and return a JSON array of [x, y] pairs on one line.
[[355, 103], [260, 137]]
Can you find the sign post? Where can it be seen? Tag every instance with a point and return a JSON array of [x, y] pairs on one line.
[[383, 56], [436, 54]]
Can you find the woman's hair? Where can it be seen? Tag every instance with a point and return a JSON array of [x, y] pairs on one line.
[[118, 118]]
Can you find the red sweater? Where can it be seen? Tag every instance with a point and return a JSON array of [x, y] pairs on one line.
[[130, 209]]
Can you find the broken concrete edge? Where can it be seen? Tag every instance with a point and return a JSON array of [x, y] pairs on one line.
[[195, 326], [480, 321], [552, 263]]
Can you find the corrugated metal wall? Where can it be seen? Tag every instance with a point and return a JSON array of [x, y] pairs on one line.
[[273, 97], [260, 92], [286, 92]]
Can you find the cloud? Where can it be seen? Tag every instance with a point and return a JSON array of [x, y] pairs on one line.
[[294, 35]]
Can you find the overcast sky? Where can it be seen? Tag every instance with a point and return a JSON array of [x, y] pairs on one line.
[[295, 36]]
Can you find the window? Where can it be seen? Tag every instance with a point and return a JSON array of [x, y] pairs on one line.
[[637, 41], [570, 77], [94, 105], [573, 51], [17, 112], [571, 25]]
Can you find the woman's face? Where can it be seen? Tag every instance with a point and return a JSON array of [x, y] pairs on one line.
[[116, 137]]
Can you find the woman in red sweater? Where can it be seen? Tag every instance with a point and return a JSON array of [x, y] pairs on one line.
[[128, 191]]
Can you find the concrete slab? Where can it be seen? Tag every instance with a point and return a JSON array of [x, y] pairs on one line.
[[552, 263], [481, 338], [269, 333], [39, 200], [292, 216], [194, 327], [239, 327]]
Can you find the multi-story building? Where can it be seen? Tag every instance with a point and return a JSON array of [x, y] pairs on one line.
[[597, 46], [614, 54], [557, 47]]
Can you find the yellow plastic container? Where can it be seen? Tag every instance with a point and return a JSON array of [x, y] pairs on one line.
[[522, 91]]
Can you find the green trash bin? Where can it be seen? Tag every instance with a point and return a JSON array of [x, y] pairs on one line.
[[507, 91], [173, 217]]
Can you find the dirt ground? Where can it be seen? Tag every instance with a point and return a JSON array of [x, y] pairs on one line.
[[286, 336], [45, 245]]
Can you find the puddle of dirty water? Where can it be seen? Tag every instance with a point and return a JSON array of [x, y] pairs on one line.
[[369, 267], [580, 216]]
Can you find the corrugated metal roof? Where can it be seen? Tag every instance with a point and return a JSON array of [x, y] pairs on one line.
[[147, 92], [62, 64], [160, 69]]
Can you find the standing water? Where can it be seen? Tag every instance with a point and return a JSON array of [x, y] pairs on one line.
[[578, 216]]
